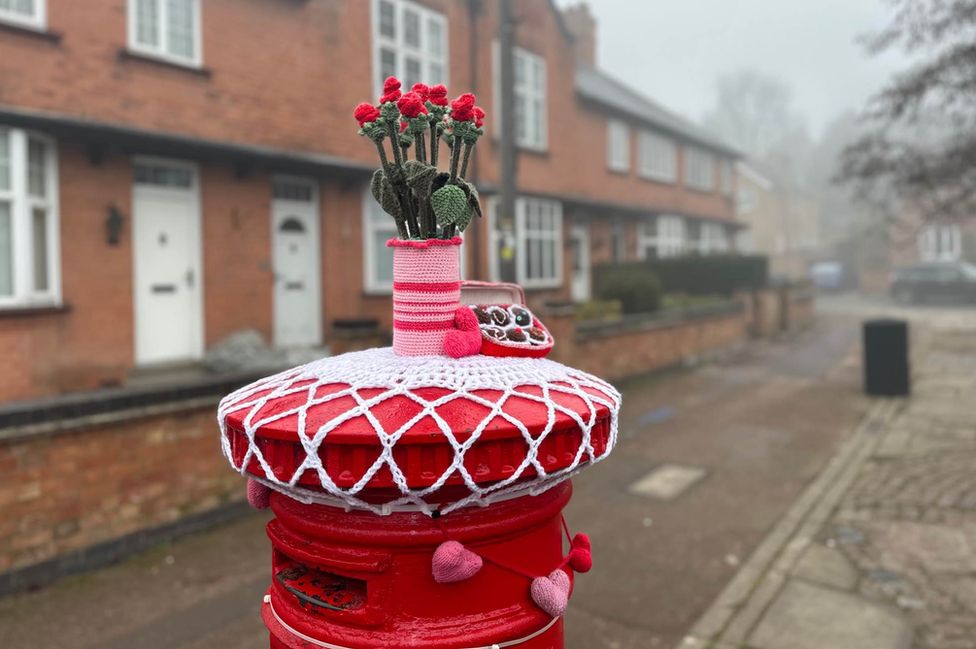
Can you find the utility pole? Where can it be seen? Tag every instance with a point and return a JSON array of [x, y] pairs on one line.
[[505, 216]]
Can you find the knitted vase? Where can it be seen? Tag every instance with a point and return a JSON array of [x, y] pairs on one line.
[[426, 293]]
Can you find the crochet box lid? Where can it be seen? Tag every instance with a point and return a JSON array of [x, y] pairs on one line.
[[383, 432]]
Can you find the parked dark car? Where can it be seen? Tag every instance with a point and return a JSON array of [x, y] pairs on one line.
[[943, 281]]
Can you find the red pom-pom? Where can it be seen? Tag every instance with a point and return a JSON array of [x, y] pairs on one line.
[[465, 338], [391, 90], [479, 116], [462, 108], [422, 90], [411, 105], [580, 557], [438, 95], [366, 113]]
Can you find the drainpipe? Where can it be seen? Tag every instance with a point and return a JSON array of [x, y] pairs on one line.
[[505, 225], [474, 12]]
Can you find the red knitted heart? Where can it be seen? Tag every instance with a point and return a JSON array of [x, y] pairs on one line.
[[465, 338], [551, 593], [454, 562], [580, 556]]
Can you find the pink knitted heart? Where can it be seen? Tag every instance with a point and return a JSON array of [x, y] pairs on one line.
[[465, 338], [454, 562], [551, 593], [258, 495]]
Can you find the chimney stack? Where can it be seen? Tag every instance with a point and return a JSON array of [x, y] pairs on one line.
[[582, 25]]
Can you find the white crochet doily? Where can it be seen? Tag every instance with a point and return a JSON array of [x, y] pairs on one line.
[[382, 376]]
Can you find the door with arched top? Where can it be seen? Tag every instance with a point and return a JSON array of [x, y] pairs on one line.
[[296, 264]]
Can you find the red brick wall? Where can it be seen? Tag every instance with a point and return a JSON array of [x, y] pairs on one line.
[[72, 490]]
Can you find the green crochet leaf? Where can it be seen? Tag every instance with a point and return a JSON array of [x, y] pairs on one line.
[[420, 177], [451, 207], [474, 201], [384, 194]]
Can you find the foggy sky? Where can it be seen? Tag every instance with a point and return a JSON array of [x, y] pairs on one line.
[[673, 50]]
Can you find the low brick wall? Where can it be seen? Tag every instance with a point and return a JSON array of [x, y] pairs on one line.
[[773, 311], [72, 484], [637, 345]]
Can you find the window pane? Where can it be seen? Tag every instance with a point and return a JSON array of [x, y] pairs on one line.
[[436, 73], [292, 191], [163, 176], [39, 229], [22, 7], [382, 256], [435, 37], [4, 159], [6, 251], [412, 72], [388, 66], [181, 27], [387, 20], [535, 131], [147, 22], [411, 28], [519, 69], [36, 157]]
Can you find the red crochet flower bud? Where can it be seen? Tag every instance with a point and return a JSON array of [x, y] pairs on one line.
[[422, 90], [391, 90], [411, 105], [366, 113], [462, 108], [479, 116], [438, 95]]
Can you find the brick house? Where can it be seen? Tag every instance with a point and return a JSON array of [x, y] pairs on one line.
[[173, 172]]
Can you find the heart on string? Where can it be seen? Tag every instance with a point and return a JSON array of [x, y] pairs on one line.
[[454, 562], [465, 338], [258, 495], [580, 556], [551, 593]]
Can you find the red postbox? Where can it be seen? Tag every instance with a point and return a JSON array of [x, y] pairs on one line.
[[376, 461]]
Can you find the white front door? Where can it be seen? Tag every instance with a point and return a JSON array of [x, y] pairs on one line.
[[295, 236], [166, 252], [580, 258]]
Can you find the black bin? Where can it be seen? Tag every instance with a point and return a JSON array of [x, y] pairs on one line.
[[886, 371]]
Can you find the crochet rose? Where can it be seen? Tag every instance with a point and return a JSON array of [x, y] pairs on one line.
[[422, 90], [438, 95], [391, 90], [479, 116], [366, 113], [462, 108], [411, 105]]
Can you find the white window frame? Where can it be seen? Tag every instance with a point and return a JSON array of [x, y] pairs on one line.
[[699, 169], [522, 236], [618, 145], [22, 204], [161, 51], [657, 157], [713, 238], [940, 242], [665, 233], [532, 95], [37, 20], [398, 44]]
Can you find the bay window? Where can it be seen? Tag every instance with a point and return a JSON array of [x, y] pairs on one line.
[[662, 236], [28, 219], [699, 169], [538, 242]]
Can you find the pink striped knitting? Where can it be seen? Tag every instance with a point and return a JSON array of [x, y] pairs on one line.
[[426, 293]]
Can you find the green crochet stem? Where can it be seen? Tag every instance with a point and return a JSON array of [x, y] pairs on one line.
[[435, 143], [397, 180], [455, 156], [401, 225], [421, 152], [467, 155]]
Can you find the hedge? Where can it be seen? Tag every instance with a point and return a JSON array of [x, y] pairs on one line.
[[637, 292], [691, 274]]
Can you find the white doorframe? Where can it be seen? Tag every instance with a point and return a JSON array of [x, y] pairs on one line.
[[196, 254], [315, 234], [580, 281]]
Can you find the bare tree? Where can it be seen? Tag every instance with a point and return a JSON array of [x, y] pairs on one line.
[[920, 146], [754, 112]]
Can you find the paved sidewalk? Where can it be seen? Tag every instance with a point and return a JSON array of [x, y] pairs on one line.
[[880, 551]]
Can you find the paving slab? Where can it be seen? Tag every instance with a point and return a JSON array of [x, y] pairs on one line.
[[668, 481], [826, 567], [805, 616]]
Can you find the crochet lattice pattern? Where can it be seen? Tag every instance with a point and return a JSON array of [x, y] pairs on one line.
[[359, 390]]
